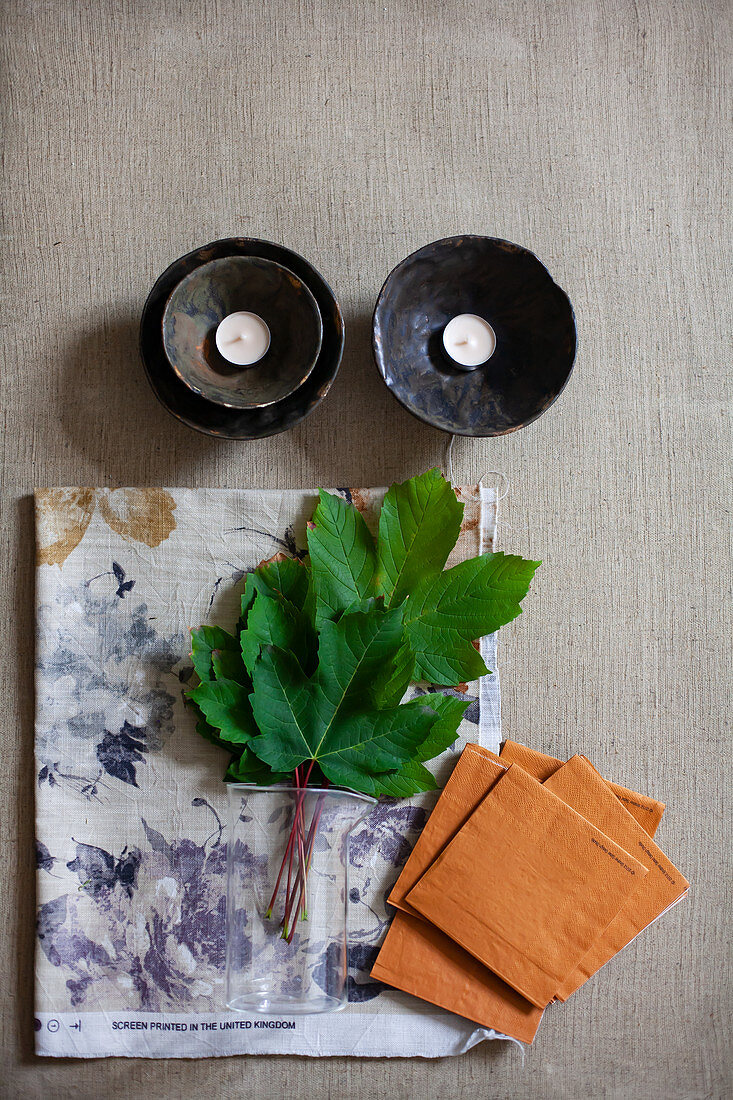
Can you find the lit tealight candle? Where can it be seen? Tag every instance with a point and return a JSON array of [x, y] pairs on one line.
[[243, 338], [469, 341]]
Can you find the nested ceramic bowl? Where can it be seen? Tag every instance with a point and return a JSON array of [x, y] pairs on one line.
[[507, 286], [242, 283], [222, 421]]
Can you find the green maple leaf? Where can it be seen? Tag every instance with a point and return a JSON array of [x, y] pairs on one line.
[[445, 613], [275, 621], [330, 717], [208, 732], [296, 712], [394, 678], [227, 664], [282, 705], [418, 527], [325, 651], [225, 705], [252, 585], [286, 577], [204, 642], [444, 731], [343, 558], [411, 778], [362, 747], [443, 655], [351, 655], [225, 712], [248, 768]]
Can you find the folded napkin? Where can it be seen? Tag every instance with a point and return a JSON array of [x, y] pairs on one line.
[[527, 885], [427, 959], [579, 785], [473, 777], [647, 811], [419, 959]]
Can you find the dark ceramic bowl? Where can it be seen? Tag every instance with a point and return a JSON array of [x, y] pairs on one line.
[[218, 420], [507, 286], [209, 294]]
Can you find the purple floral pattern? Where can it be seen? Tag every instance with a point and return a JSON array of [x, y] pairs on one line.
[[131, 853], [152, 949]]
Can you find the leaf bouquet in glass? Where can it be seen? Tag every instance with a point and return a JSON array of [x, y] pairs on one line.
[[309, 688]]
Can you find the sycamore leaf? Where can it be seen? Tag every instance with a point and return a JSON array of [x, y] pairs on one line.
[[332, 712], [351, 655], [418, 527], [279, 576], [476, 597], [393, 679], [361, 746], [296, 714], [410, 778], [203, 729], [225, 705], [443, 656], [282, 708], [274, 621], [227, 664], [248, 768], [246, 600], [309, 606], [286, 577], [443, 733], [253, 586], [342, 556], [203, 642], [444, 613], [373, 618]]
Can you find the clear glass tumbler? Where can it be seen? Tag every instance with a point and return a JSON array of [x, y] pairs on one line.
[[288, 897]]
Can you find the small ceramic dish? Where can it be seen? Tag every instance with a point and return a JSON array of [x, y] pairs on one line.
[[231, 284], [503, 284], [220, 420]]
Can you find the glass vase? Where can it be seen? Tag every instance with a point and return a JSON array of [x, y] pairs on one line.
[[288, 897]]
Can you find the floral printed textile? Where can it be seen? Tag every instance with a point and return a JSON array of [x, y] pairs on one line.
[[131, 810]]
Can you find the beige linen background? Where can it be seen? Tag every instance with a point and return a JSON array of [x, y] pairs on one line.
[[592, 132]]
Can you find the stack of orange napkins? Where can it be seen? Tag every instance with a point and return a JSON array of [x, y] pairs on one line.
[[530, 874]]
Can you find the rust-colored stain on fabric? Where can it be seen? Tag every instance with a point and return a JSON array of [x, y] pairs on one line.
[[63, 516]]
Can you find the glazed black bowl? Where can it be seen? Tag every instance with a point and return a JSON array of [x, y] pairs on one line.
[[217, 420], [507, 286], [226, 285]]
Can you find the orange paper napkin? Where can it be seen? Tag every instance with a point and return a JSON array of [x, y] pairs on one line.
[[417, 958], [647, 811], [527, 885], [579, 785], [420, 959], [471, 780]]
